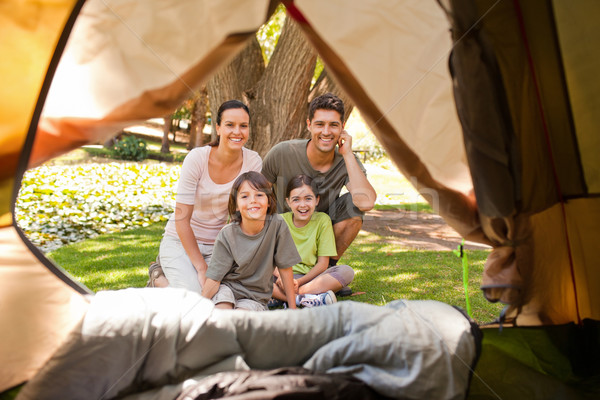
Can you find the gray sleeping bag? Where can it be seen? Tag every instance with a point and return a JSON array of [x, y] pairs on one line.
[[155, 343]]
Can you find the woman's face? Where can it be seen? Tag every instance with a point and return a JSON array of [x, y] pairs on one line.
[[302, 202], [234, 128]]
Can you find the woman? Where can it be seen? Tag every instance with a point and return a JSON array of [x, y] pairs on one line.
[[207, 176]]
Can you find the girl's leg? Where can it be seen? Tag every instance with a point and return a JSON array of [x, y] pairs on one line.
[[278, 293], [333, 278]]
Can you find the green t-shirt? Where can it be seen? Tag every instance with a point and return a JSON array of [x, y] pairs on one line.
[[245, 263], [288, 159], [312, 240]]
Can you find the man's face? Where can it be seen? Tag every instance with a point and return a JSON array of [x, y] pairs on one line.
[[325, 129]]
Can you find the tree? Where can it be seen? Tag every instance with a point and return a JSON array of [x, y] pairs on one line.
[[276, 87], [198, 108]]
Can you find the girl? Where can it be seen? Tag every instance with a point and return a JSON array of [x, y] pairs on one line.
[[313, 234], [248, 249], [206, 179]]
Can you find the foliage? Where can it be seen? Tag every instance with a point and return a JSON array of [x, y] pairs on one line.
[[60, 204], [363, 138], [131, 148], [269, 33], [153, 154]]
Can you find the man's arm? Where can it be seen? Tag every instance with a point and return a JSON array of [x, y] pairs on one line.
[[363, 194]]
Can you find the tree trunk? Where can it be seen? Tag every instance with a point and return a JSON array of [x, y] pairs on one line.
[[198, 119], [230, 82], [278, 103], [278, 94], [165, 147]]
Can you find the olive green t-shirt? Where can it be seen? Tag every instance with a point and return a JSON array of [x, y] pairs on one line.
[[288, 159], [245, 263], [312, 240]]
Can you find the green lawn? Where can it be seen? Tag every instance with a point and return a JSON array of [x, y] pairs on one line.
[[384, 271]]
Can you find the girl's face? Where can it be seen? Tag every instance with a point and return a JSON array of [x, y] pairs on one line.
[[302, 201], [251, 203], [234, 129]]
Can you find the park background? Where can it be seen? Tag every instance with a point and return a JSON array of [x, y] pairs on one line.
[[99, 212]]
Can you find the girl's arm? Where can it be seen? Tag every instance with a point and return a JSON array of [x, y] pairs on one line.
[[183, 215], [318, 269], [287, 276], [210, 288]]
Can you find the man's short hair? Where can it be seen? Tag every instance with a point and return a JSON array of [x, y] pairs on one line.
[[327, 101]]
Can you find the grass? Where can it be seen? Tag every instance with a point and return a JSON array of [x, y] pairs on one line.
[[113, 261], [384, 271], [387, 272], [417, 207]]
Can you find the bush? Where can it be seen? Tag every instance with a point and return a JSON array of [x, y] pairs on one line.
[[131, 148]]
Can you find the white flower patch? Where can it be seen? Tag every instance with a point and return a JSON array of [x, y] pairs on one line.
[[60, 204]]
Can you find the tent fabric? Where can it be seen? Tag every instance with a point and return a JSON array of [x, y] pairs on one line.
[[30, 32], [36, 315], [532, 267], [151, 73], [151, 343], [581, 71], [552, 357], [420, 139], [529, 187]]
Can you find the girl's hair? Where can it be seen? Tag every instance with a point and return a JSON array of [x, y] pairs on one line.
[[258, 182], [299, 181], [228, 105]]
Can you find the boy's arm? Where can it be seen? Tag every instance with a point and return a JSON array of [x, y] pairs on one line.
[[363, 194], [210, 288], [287, 276]]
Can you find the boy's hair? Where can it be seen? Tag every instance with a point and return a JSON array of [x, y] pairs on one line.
[[227, 105], [327, 101], [258, 182], [299, 181]]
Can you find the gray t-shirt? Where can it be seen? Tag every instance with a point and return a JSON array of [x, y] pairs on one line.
[[245, 263], [288, 159]]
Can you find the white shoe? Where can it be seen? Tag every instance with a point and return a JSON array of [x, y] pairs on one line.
[[315, 300]]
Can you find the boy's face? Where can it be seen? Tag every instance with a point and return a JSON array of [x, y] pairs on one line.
[[252, 203], [325, 129]]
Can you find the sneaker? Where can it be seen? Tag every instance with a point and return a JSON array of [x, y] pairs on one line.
[[157, 276], [345, 291], [274, 303], [315, 300]]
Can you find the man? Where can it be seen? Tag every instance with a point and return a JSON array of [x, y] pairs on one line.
[[331, 168]]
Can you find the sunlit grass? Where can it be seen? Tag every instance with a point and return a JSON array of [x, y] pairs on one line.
[[384, 271]]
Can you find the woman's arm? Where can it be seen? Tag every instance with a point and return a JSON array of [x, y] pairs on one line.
[[318, 269], [183, 216], [210, 288], [287, 276]]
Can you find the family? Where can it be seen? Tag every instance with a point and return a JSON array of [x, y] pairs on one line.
[[262, 258]]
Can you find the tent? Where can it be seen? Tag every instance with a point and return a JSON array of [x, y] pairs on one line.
[[487, 104]]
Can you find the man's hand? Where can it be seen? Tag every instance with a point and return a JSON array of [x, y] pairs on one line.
[[345, 143]]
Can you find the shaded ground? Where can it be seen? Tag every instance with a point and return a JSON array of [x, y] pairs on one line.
[[416, 230]]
